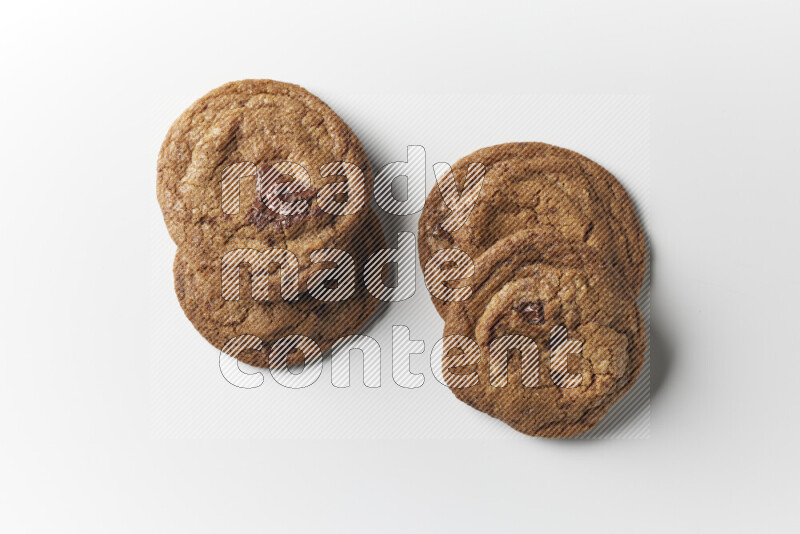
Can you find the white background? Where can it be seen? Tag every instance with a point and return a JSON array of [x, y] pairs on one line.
[[87, 93]]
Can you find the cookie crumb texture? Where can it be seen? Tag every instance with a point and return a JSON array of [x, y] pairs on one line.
[[249, 129], [556, 244]]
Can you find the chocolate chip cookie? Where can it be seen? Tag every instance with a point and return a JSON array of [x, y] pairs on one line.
[[535, 184], [264, 161], [262, 305], [559, 335]]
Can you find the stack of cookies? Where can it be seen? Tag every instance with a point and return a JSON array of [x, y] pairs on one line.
[[548, 336], [265, 191]]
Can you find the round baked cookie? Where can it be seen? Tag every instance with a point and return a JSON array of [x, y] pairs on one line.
[[199, 286], [586, 327], [535, 184], [244, 133]]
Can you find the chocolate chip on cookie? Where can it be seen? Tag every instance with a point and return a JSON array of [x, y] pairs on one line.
[[559, 333]]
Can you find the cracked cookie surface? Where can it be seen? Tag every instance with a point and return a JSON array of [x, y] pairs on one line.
[[554, 292], [198, 284], [535, 184], [244, 130]]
